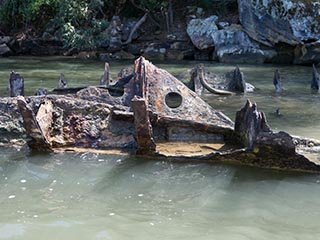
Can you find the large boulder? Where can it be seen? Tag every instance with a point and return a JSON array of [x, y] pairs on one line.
[[287, 21], [201, 30], [7, 40], [262, 26], [4, 50], [233, 44], [156, 51]]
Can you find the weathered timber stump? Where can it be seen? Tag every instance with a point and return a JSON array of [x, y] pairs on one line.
[[315, 82], [105, 79], [16, 85], [62, 82], [198, 73], [237, 82], [249, 123], [277, 81]]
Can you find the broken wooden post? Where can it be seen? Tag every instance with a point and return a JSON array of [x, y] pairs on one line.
[[198, 73], [277, 81], [36, 127], [105, 79], [62, 83], [146, 144], [16, 84], [315, 82], [135, 28], [140, 78], [237, 83], [249, 123]]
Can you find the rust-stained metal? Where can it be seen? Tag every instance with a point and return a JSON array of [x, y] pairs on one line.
[[155, 109], [146, 144], [36, 128], [44, 118], [198, 74]]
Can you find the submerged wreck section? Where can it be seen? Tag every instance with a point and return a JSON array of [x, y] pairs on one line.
[[158, 116], [201, 81]]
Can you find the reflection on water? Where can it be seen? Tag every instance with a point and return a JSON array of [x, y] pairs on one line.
[[94, 196]]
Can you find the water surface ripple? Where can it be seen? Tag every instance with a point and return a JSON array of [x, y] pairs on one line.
[[93, 196]]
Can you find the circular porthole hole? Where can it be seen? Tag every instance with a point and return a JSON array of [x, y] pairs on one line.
[[173, 100]]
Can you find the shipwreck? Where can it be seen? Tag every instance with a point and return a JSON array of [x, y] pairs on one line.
[[155, 115]]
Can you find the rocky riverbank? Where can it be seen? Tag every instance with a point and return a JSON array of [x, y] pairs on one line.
[[270, 31]]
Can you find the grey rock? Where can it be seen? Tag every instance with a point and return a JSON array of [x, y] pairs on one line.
[[6, 40], [181, 45], [222, 25], [274, 21], [156, 51], [233, 45], [262, 26], [174, 54], [135, 48], [201, 30], [4, 50], [105, 57], [123, 55]]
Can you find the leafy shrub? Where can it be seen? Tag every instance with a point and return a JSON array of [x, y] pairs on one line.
[[78, 24]]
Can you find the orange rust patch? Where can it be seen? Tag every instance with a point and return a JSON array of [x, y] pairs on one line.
[[159, 105]]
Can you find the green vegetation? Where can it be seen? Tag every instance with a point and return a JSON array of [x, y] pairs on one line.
[[83, 24], [80, 24]]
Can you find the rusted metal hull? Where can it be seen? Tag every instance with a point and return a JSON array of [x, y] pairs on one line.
[[157, 116]]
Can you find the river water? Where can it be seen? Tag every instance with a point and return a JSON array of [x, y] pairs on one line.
[[94, 196]]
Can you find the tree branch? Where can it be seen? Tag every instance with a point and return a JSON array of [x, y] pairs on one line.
[[146, 11], [134, 29]]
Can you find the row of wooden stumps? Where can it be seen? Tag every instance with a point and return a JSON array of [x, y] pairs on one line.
[[16, 83], [315, 82]]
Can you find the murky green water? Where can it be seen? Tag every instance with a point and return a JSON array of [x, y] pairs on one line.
[[92, 196]]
